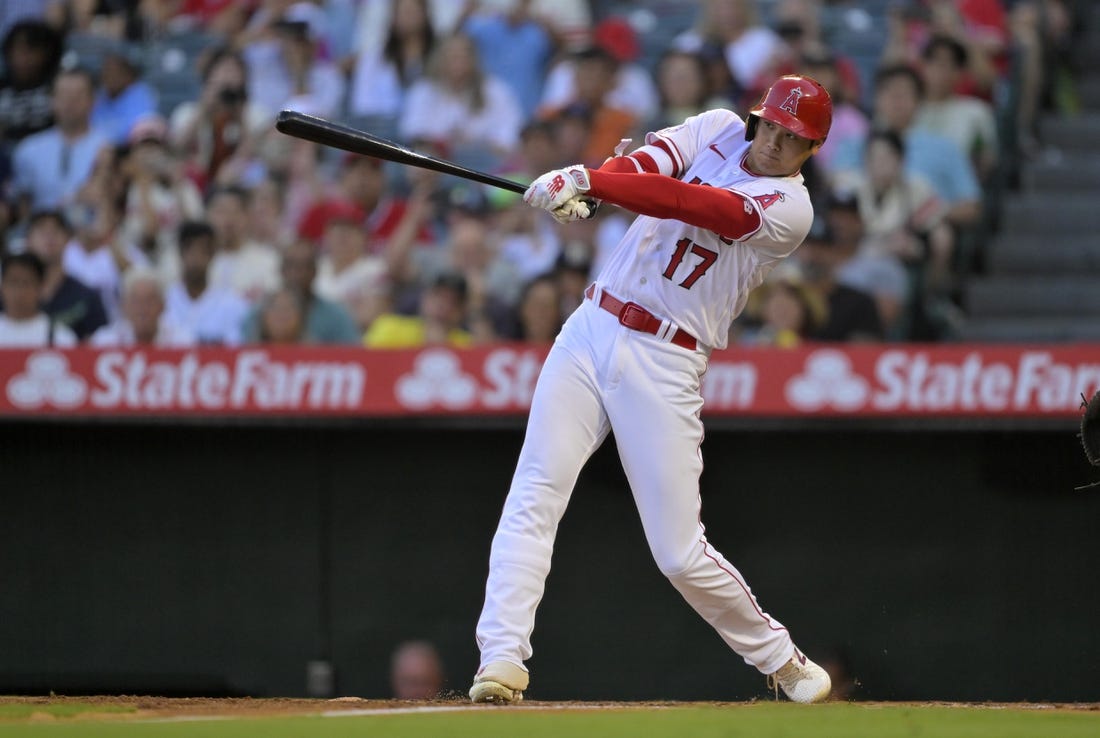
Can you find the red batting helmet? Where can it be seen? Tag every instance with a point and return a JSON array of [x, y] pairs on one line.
[[798, 103]]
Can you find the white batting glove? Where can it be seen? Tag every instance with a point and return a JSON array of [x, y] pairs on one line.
[[575, 208], [553, 189]]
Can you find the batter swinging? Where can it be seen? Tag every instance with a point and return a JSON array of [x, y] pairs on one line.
[[720, 203]]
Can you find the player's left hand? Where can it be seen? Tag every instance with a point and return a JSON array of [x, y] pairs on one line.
[[553, 189]]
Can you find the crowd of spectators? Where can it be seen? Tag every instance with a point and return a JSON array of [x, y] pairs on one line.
[[135, 214]]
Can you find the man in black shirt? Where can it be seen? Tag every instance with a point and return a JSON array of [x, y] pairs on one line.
[[852, 314], [66, 300]]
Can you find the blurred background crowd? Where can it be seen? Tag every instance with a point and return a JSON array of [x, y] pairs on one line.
[[146, 198]]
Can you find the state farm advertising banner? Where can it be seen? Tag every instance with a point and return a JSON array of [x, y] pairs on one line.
[[826, 381]]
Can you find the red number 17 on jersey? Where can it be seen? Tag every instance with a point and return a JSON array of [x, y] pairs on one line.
[[707, 256]]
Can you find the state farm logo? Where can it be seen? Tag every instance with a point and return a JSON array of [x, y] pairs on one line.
[[504, 382], [437, 379], [900, 380], [46, 380], [248, 380], [827, 381]]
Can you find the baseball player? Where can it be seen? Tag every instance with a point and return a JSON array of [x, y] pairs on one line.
[[720, 203]]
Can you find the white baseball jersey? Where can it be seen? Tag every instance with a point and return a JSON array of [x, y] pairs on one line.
[[691, 276]]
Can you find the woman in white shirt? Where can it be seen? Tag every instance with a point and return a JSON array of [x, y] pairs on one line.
[[382, 75], [457, 103]]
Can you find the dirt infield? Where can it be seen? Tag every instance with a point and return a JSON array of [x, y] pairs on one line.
[[125, 707]]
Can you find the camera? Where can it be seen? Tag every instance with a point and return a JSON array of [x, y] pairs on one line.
[[232, 96], [298, 30]]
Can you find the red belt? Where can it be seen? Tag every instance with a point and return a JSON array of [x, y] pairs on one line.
[[636, 317]]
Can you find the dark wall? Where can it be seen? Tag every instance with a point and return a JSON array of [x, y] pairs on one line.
[[220, 560]]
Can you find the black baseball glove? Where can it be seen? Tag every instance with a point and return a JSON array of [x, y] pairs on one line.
[[1090, 428]]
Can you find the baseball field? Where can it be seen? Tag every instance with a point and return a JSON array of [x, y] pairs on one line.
[[121, 717]]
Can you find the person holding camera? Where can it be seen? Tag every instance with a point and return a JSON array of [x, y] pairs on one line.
[[218, 133]]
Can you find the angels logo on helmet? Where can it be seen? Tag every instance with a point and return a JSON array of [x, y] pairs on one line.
[[791, 103]]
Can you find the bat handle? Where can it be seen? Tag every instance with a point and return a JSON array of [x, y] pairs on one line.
[[593, 205]]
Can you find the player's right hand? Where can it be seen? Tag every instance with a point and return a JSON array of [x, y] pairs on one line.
[[553, 189], [575, 208]]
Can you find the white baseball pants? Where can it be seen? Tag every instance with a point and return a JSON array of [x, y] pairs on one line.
[[601, 375]]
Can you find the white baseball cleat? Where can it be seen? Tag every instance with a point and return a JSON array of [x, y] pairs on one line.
[[801, 679], [501, 682]]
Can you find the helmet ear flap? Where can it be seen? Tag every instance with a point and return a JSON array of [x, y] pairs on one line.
[[750, 127]]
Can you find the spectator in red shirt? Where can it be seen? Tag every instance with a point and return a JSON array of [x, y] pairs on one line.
[[362, 183]]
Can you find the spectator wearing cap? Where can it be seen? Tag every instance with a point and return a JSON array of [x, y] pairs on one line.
[[213, 315], [457, 102], [439, 320], [48, 168], [515, 47], [159, 197], [66, 300], [123, 97], [968, 121], [31, 57], [346, 274], [325, 321], [632, 88], [218, 134], [143, 322], [594, 73], [287, 61], [23, 323]]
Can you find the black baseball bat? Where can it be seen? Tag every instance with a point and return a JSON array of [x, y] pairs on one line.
[[337, 135]]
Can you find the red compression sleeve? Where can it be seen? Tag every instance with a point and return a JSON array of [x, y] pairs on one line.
[[638, 161], [726, 213]]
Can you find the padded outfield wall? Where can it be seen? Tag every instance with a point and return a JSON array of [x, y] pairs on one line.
[[208, 556]]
